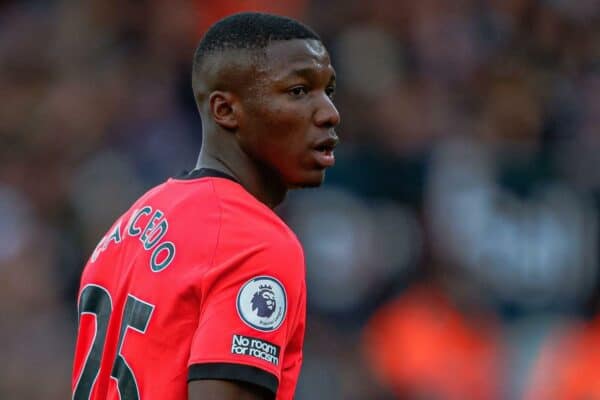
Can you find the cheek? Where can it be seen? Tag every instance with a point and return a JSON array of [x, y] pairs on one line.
[[285, 129], [276, 130], [282, 119]]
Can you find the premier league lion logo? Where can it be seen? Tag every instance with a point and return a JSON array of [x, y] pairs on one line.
[[264, 301], [261, 303]]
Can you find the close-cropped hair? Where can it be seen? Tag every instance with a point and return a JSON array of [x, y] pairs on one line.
[[250, 30]]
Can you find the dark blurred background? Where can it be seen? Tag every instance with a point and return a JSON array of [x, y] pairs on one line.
[[452, 253]]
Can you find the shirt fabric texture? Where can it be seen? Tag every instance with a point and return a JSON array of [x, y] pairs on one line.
[[197, 280]]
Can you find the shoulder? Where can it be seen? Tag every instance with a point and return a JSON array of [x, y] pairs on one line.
[[254, 241], [252, 221]]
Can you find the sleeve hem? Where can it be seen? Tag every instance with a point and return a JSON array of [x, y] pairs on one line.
[[234, 372]]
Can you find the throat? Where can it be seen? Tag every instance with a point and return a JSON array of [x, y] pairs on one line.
[[259, 180]]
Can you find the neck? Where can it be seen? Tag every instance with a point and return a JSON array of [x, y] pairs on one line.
[[263, 183]]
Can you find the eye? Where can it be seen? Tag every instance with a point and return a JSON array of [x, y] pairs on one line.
[[298, 91], [330, 91]]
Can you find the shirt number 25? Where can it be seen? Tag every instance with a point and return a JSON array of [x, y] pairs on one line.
[[96, 300]]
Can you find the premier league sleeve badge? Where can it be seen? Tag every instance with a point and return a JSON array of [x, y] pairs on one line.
[[262, 303]]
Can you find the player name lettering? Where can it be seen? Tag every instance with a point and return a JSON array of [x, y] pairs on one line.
[[249, 346], [150, 228]]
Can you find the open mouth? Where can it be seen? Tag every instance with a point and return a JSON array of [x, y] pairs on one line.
[[327, 145], [324, 151]]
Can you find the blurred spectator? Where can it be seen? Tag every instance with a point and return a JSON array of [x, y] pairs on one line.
[[567, 365], [36, 330], [438, 341], [334, 366], [533, 245], [353, 251]]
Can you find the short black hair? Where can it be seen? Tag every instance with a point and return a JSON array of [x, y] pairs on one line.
[[250, 30]]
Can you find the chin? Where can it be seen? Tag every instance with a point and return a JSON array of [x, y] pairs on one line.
[[312, 180]]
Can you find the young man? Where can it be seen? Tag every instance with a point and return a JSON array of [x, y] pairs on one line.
[[200, 281]]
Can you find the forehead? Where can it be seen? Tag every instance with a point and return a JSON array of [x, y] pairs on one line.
[[283, 57]]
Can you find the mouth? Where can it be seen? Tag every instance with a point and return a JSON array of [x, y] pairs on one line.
[[324, 151], [327, 144]]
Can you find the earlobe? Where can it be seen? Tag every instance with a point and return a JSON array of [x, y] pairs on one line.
[[222, 109]]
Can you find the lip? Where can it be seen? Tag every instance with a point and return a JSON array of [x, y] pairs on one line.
[[325, 159], [323, 151], [327, 143]]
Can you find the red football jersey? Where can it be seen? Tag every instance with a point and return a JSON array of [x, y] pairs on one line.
[[198, 280]]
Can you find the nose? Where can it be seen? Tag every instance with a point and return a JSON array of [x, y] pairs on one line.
[[327, 115]]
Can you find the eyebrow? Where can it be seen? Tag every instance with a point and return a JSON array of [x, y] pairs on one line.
[[307, 72]]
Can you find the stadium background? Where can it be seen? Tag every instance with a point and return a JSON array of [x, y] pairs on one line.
[[452, 252]]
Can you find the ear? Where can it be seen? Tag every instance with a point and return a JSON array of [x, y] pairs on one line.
[[223, 107]]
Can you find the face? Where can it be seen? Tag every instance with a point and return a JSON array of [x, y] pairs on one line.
[[288, 119]]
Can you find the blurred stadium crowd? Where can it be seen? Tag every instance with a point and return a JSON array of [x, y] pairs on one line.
[[452, 253]]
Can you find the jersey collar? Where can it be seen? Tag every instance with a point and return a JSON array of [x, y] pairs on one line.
[[203, 173]]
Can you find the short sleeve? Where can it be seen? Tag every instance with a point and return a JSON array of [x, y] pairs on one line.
[[252, 316]]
